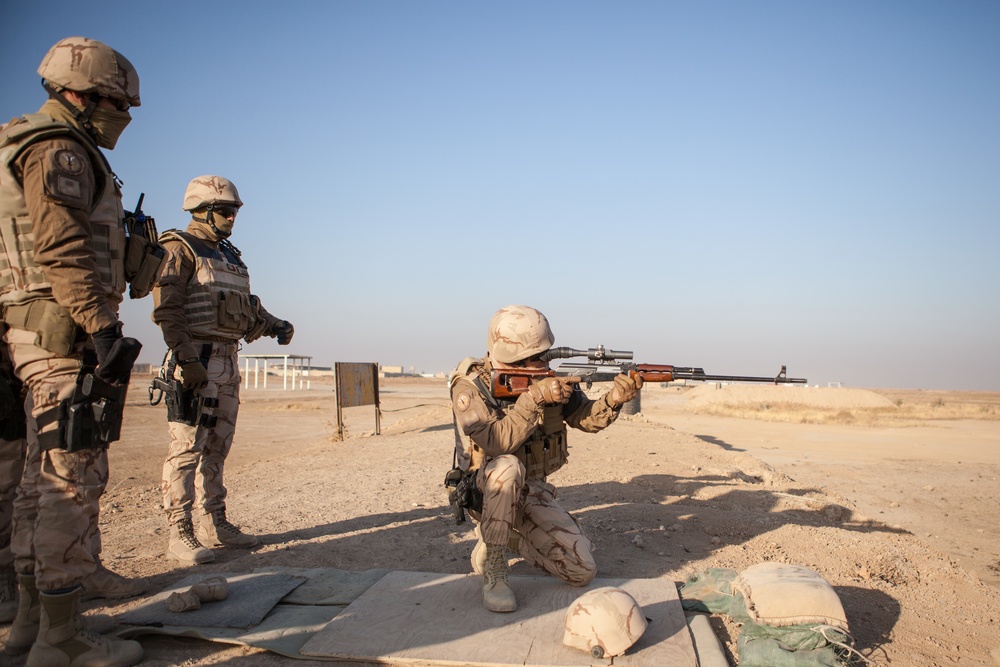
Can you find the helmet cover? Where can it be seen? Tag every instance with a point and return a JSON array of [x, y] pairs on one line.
[[516, 333], [211, 191], [604, 622], [88, 66]]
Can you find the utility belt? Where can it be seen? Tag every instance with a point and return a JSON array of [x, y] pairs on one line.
[[187, 406], [56, 331]]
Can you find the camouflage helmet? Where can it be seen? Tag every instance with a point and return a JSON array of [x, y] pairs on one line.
[[516, 333], [211, 191], [605, 622], [88, 66]]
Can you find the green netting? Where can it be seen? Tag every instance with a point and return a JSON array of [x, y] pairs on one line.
[[709, 592], [762, 645], [771, 653]]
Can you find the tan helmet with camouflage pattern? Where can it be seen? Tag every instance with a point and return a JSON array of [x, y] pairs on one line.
[[88, 66], [211, 191], [516, 333], [605, 622]]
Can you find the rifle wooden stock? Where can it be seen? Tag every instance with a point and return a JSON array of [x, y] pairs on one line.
[[511, 383]]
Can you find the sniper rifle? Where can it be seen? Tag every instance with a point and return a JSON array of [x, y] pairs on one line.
[[605, 365]]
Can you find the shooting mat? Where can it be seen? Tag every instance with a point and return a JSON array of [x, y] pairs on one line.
[[439, 618]]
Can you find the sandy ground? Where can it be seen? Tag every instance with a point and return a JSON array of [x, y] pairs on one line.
[[901, 521]]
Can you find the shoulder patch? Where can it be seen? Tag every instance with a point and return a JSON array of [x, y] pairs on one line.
[[463, 401], [70, 162], [65, 172]]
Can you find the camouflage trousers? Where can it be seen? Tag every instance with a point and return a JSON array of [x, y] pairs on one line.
[[55, 525], [192, 472], [11, 467], [546, 535]]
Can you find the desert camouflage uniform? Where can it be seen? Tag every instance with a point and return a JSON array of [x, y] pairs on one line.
[[197, 261], [67, 206], [515, 444]]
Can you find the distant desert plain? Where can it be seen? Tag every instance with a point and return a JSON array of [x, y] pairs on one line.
[[891, 495]]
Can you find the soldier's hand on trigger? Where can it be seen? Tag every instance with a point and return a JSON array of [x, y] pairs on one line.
[[284, 331], [553, 390], [624, 390], [193, 373]]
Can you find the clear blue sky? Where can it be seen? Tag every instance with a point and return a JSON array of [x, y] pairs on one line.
[[730, 185]]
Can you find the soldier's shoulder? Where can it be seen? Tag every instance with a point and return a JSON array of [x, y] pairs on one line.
[[466, 367]]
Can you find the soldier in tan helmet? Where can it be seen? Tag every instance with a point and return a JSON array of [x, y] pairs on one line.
[[203, 305], [513, 445], [61, 282]]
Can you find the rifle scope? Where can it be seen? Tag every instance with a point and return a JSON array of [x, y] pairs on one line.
[[593, 354]]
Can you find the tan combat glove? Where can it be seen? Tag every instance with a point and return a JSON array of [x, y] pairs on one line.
[[624, 390], [553, 390]]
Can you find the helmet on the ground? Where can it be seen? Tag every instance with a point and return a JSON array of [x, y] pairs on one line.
[[207, 191], [88, 66], [516, 333], [605, 622]]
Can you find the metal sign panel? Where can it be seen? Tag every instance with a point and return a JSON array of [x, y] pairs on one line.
[[357, 384]]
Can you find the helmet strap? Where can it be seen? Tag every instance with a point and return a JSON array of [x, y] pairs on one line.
[[81, 115], [211, 222]]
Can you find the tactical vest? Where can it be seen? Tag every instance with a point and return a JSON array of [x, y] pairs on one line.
[[218, 302], [544, 452], [21, 278]]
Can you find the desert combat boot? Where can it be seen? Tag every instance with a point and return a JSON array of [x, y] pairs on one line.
[[24, 630], [103, 583], [185, 547], [478, 556], [215, 530], [497, 593], [63, 640], [8, 594]]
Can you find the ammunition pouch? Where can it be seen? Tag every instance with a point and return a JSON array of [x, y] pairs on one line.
[[90, 419], [464, 494], [13, 424], [235, 312], [144, 257], [57, 332], [143, 261], [546, 451]]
